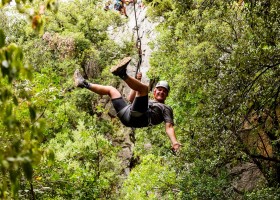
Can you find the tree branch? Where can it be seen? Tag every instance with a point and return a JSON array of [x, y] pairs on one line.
[[249, 87], [273, 159], [263, 144]]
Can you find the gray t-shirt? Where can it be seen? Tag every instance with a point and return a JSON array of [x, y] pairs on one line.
[[160, 112]]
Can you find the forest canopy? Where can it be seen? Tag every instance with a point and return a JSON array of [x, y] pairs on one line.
[[222, 61]]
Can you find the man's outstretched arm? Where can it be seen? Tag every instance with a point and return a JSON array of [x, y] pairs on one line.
[[169, 128]]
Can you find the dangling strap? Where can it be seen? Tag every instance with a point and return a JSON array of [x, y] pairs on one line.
[[150, 105]]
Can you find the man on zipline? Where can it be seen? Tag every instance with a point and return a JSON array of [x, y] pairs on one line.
[[142, 112]]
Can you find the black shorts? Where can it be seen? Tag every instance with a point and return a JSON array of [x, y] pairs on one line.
[[135, 114], [140, 104]]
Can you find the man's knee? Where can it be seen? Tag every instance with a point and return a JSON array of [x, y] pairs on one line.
[[146, 89], [142, 91], [113, 92]]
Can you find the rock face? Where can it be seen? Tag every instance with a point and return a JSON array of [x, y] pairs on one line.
[[128, 32], [247, 177]]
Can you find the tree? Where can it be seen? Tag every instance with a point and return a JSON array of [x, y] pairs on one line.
[[28, 107], [223, 57]]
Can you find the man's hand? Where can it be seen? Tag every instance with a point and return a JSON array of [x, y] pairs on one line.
[[176, 147], [139, 76]]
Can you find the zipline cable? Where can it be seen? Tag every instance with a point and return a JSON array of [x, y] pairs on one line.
[[138, 42]]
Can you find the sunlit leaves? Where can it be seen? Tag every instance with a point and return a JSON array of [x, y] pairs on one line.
[[52, 5], [84, 156], [11, 58], [18, 134], [150, 180]]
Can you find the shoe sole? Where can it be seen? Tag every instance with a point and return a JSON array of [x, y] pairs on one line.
[[123, 63], [77, 75]]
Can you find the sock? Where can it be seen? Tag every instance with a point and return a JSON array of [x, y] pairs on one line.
[[86, 84], [123, 76]]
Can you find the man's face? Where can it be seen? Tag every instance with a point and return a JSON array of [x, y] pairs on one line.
[[160, 94]]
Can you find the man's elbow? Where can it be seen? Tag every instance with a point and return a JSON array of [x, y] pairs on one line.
[[168, 125], [130, 99]]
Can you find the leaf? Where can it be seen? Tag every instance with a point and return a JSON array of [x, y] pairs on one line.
[[51, 157], [5, 164], [13, 175], [32, 112], [28, 170], [2, 38], [9, 110], [15, 100]]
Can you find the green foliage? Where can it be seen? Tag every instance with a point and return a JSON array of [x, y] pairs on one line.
[[221, 59], [11, 62], [266, 193], [86, 165], [35, 113], [223, 71], [152, 179], [201, 183], [20, 125], [162, 7]]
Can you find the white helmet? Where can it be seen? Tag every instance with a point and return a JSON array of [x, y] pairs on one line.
[[163, 84]]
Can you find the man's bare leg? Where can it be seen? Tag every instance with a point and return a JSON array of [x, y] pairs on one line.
[[79, 81], [140, 88], [120, 70], [104, 90], [132, 92]]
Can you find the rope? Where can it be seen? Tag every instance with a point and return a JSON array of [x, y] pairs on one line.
[[138, 42]]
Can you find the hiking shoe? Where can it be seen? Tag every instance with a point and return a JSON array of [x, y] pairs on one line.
[[79, 80], [120, 68]]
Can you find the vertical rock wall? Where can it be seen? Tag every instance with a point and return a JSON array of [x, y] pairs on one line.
[[128, 33]]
